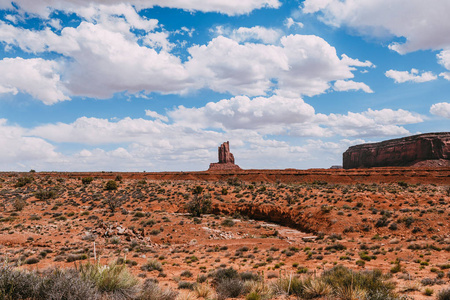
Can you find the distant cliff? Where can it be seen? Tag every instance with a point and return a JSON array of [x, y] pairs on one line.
[[400, 152]]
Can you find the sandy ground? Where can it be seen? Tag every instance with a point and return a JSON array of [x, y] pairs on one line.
[[274, 222]]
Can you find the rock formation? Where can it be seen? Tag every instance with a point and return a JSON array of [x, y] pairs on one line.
[[226, 159], [225, 156], [418, 150]]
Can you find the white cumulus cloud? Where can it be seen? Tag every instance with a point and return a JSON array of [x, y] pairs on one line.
[[289, 22], [102, 56], [385, 122], [349, 85], [414, 76], [101, 62], [253, 34], [300, 65], [424, 24], [21, 150], [444, 60], [38, 77], [229, 7], [441, 109], [242, 112], [155, 115]]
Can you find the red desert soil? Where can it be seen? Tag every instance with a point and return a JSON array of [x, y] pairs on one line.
[[268, 221]]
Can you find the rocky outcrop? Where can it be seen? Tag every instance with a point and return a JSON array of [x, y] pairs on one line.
[[226, 159], [225, 156], [406, 151]]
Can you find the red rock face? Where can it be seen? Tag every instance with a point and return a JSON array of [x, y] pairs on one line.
[[399, 152], [225, 156], [226, 159], [223, 167]]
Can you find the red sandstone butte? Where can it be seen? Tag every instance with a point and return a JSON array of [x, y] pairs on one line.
[[226, 159], [416, 150]]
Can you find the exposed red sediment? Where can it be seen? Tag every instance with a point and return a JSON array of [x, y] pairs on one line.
[[426, 175], [223, 167]]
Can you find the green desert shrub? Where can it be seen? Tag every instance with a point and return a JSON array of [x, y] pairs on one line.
[[45, 194], [111, 185], [337, 247], [198, 205], [114, 279], [87, 180], [31, 261], [374, 283], [23, 181]]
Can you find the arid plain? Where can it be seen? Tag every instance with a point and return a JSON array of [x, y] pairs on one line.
[[271, 223]]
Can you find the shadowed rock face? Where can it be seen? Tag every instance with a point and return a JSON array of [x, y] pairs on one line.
[[226, 159], [399, 152]]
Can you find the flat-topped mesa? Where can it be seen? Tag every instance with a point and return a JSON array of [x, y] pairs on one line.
[[429, 149], [226, 159]]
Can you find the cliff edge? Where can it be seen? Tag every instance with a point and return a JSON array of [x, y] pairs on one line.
[[416, 150]]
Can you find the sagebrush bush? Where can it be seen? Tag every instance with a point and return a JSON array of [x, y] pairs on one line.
[[151, 291], [288, 285], [315, 288], [338, 283], [255, 290], [151, 265], [443, 294], [221, 274], [87, 282], [67, 285], [18, 284], [350, 293], [113, 202], [19, 204], [54, 285], [246, 276], [229, 288], [186, 285]]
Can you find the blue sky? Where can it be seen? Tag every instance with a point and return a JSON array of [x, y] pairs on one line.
[[157, 85]]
